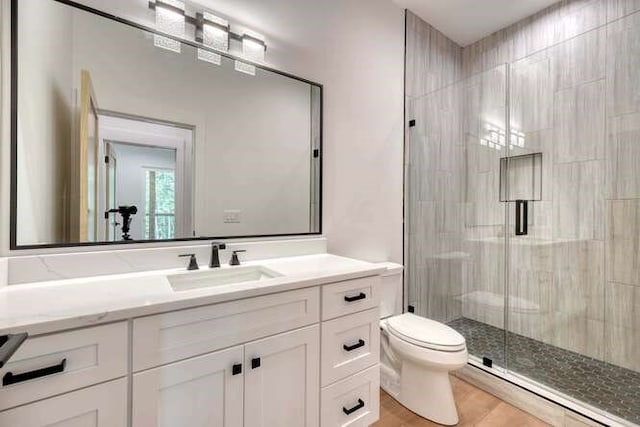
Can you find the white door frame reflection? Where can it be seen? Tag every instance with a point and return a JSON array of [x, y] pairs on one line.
[[121, 137]]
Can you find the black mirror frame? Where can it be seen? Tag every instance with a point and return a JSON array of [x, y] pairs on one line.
[[13, 244]]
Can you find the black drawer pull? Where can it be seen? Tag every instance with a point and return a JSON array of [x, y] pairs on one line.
[[9, 344], [10, 378], [360, 405], [236, 369], [255, 363], [359, 344], [358, 297]]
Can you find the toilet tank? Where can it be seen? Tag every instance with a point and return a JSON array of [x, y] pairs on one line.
[[391, 295]]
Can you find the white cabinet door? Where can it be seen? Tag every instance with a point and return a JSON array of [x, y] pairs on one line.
[[282, 380], [204, 391], [103, 405]]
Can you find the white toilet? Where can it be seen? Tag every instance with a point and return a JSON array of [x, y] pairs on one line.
[[417, 355]]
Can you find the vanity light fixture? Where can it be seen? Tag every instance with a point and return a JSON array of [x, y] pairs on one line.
[[170, 19], [213, 32], [210, 30], [253, 49]]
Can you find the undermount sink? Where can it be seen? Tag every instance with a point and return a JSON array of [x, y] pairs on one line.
[[220, 277]]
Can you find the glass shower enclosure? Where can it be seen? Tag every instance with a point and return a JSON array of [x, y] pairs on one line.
[[524, 225]]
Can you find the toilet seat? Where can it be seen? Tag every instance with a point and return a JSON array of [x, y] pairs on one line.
[[426, 333]]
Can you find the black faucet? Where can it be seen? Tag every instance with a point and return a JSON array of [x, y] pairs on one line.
[[193, 262], [214, 262], [234, 258]]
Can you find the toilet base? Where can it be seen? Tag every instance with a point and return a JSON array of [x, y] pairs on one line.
[[389, 380], [428, 393]]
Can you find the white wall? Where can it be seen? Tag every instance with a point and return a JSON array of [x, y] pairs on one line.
[[45, 125], [355, 49]]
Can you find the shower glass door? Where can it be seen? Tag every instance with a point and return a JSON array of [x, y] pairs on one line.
[[573, 314], [482, 320], [457, 229], [523, 212]]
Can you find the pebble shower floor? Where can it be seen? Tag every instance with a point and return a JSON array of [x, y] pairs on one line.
[[609, 387]]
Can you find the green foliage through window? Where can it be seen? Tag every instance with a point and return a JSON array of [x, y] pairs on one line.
[[160, 204]]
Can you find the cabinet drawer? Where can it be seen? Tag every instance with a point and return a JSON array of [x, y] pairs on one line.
[[103, 405], [352, 402], [58, 363], [178, 335], [350, 344], [351, 296]]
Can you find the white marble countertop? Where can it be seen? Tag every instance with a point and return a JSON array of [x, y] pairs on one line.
[[44, 307]]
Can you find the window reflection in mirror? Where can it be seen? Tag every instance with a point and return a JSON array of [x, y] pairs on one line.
[[160, 204], [120, 140]]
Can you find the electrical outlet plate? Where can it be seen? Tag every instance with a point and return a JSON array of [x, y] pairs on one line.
[[232, 216]]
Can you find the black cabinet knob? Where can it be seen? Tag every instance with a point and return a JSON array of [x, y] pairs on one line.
[[255, 363], [237, 369]]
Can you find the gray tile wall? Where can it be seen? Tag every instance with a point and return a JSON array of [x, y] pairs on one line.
[[433, 61], [434, 161], [558, 23], [575, 94]]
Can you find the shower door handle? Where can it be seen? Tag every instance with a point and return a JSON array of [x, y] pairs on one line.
[[522, 217]]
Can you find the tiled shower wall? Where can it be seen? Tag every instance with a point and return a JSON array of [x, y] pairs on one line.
[[574, 76], [434, 168]]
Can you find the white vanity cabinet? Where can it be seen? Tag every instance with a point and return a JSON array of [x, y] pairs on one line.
[[350, 353], [271, 382], [305, 357]]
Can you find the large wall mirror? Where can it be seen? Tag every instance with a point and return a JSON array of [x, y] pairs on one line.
[[117, 140]]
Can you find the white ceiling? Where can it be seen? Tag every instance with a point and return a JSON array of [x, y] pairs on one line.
[[467, 21]]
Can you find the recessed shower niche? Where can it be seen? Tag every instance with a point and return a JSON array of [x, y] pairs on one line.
[[521, 178], [521, 183]]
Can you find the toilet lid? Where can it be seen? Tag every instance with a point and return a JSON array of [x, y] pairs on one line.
[[426, 333]]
